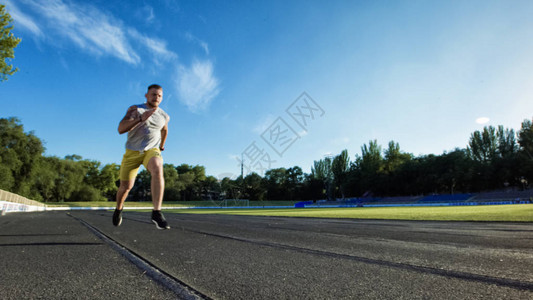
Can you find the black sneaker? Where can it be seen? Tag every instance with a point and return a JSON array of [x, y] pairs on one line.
[[159, 220], [117, 217]]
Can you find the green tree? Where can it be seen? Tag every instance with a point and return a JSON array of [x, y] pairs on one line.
[[452, 172], [406, 177], [199, 173], [44, 178], [506, 165], [172, 184], [507, 145], [98, 184], [230, 189], [210, 188], [426, 176], [19, 152], [86, 193], [483, 145], [91, 170], [189, 180], [276, 184], [6, 178], [67, 180], [495, 157], [253, 187], [294, 182], [339, 169], [108, 181], [525, 154], [8, 43], [525, 138], [394, 159], [141, 188], [371, 166], [312, 188], [371, 159], [321, 170]]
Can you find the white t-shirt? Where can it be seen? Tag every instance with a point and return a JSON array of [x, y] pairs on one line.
[[147, 135]]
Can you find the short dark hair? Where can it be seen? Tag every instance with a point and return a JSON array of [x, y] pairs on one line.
[[155, 86]]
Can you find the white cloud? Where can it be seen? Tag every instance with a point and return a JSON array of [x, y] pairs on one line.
[[89, 28], [148, 13], [197, 85], [482, 120], [156, 46], [198, 41], [22, 19], [303, 133], [93, 30]]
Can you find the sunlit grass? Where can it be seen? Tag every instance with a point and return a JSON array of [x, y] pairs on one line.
[[507, 213]]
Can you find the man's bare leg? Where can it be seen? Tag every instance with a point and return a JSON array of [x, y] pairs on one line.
[[155, 167], [123, 191]]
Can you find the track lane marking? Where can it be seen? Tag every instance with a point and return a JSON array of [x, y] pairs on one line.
[[181, 289]]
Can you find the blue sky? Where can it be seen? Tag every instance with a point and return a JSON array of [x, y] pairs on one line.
[[280, 83]]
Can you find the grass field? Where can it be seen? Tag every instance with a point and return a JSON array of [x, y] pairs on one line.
[[502, 213]]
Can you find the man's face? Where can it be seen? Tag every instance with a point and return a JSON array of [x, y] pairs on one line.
[[154, 97]]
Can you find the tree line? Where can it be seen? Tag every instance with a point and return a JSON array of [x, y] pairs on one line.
[[495, 158]]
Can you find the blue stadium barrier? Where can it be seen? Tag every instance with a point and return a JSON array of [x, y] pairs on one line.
[[302, 204]]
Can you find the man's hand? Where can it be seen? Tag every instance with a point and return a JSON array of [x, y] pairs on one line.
[[147, 114], [132, 113], [130, 120]]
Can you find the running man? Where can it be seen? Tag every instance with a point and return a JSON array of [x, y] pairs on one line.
[[147, 128]]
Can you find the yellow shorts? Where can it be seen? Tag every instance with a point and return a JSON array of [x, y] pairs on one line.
[[132, 160]]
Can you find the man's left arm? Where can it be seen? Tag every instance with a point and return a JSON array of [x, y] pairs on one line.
[[164, 133]]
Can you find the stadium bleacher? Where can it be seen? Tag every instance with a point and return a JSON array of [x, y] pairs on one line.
[[493, 197], [445, 198], [507, 195]]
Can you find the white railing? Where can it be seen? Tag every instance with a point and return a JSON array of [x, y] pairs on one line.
[[10, 202]]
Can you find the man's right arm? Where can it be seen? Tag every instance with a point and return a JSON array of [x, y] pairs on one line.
[[130, 120]]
